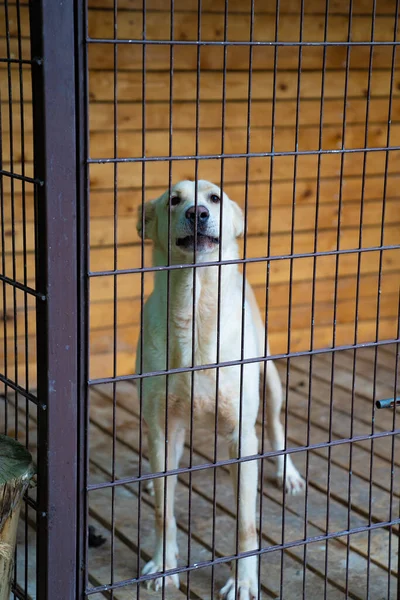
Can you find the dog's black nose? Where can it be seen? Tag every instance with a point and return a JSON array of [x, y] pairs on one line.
[[201, 212]]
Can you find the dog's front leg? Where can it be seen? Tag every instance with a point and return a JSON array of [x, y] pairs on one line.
[[164, 523], [244, 479]]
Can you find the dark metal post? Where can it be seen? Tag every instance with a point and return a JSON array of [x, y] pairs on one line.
[[82, 116], [54, 99]]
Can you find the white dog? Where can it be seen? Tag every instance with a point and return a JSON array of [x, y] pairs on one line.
[[186, 220]]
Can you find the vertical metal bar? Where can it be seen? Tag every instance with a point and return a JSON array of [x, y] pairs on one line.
[[393, 470], [290, 302], [54, 97], [12, 207], [193, 348], [341, 174], [267, 283], [313, 297], [142, 278], [362, 206], [81, 23], [395, 424], [378, 308], [25, 277], [335, 294], [3, 269], [219, 288], [244, 272], [115, 287], [168, 328]]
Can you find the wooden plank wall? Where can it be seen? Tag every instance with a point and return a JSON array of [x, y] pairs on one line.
[[307, 196]]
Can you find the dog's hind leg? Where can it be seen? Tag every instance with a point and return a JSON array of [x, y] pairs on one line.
[[165, 523], [294, 482]]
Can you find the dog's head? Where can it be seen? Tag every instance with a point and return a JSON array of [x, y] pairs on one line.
[[191, 221]]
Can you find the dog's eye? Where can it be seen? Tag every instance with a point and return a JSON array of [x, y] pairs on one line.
[[214, 198], [175, 200]]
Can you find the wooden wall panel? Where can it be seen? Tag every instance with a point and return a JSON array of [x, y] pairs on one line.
[[367, 194]]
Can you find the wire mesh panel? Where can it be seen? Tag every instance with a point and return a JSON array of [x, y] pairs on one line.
[[291, 111], [165, 169], [233, 141], [19, 402]]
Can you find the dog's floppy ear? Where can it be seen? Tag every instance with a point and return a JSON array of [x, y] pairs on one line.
[[238, 219], [149, 220]]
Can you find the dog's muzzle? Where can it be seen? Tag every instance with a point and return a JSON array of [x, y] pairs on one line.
[[197, 218]]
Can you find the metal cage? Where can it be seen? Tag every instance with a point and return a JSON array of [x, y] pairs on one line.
[[292, 109]]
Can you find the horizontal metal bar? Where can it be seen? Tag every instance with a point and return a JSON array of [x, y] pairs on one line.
[[238, 101], [293, 70], [299, 44], [272, 153], [242, 101], [258, 552], [24, 288], [21, 177], [20, 61], [19, 390], [239, 261], [206, 101], [259, 11], [233, 461], [245, 361], [388, 403]]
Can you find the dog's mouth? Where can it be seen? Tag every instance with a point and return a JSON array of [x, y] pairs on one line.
[[203, 242]]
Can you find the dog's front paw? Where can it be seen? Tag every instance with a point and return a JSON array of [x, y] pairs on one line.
[[245, 589], [156, 566], [294, 483]]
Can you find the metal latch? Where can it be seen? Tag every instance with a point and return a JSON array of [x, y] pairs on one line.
[[388, 403]]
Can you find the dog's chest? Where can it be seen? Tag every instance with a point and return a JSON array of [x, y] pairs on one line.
[[202, 389], [194, 337], [195, 395]]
